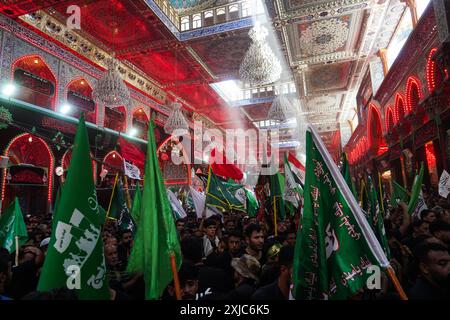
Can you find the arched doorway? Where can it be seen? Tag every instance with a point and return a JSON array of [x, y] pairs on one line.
[[389, 120], [79, 98], [35, 81], [65, 162], [399, 108], [140, 123], [375, 131], [174, 174], [30, 176], [115, 119]]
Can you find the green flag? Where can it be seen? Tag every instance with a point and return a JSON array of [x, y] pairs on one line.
[[376, 217], [12, 225], [75, 256], [137, 200], [398, 193], [277, 202], [102, 214], [226, 196], [345, 170], [119, 209], [416, 189], [156, 238], [335, 245], [251, 204]]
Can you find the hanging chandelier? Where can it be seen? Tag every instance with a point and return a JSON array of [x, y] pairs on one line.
[[110, 90], [176, 120], [260, 66], [281, 109]]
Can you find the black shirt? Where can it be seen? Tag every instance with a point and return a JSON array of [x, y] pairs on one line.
[[424, 290], [269, 292], [244, 291]]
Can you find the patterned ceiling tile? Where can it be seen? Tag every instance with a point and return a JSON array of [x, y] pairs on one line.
[[327, 77], [223, 56]]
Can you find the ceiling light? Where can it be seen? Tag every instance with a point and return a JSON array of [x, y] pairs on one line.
[[9, 89], [65, 109]]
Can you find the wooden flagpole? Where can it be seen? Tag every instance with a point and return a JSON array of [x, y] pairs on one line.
[[176, 280], [127, 192], [396, 283], [112, 195]]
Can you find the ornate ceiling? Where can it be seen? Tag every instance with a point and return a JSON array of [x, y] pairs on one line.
[[327, 45]]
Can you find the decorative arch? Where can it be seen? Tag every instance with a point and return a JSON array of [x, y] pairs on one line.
[[399, 109], [140, 121], [27, 149], [111, 161], [65, 162], [413, 94], [434, 77], [78, 94], [37, 81], [172, 174], [375, 129], [389, 119]]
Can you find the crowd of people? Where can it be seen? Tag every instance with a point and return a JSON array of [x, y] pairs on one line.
[[237, 257]]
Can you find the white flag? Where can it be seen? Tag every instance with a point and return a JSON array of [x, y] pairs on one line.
[[199, 200], [421, 205], [176, 206], [444, 184], [290, 187], [131, 170]]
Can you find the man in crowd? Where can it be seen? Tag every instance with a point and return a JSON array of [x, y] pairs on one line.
[[124, 247], [441, 230], [210, 239], [255, 241], [5, 272], [246, 271], [433, 261]]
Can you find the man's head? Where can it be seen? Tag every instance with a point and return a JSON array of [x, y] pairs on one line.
[[290, 238], [245, 267], [112, 241], [192, 249], [441, 230], [285, 262], [420, 227], [111, 256], [5, 269], [126, 238], [428, 216], [180, 225], [234, 243], [229, 226], [188, 281], [210, 228], [254, 237], [434, 263]]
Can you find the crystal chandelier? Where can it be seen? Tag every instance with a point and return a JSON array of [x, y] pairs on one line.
[[260, 66], [176, 120], [110, 90], [281, 109]]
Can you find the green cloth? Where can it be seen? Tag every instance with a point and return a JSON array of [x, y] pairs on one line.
[[137, 200], [416, 189], [225, 196], [335, 245], [398, 193], [345, 170], [119, 209], [12, 225], [76, 238], [156, 238]]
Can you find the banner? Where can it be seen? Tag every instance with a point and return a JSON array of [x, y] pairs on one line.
[[444, 184], [131, 170]]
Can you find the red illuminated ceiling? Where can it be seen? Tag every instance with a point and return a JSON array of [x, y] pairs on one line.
[[131, 30], [15, 8]]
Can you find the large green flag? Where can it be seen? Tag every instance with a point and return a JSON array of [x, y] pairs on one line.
[[156, 237], [345, 170], [335, 245], [398, 193], [75, 253], [119, 209], [12, 225], [376, 217], [137, 200], [416, 190], [226, 196]]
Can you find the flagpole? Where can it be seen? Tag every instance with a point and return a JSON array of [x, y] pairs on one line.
[[396, 283], [17, 250], [112, 195], [176, 280], [275, 214], [381, 193], [127, 192]]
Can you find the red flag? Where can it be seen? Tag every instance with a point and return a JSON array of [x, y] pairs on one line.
[[228, 170], [298, 169], [131, 153]]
